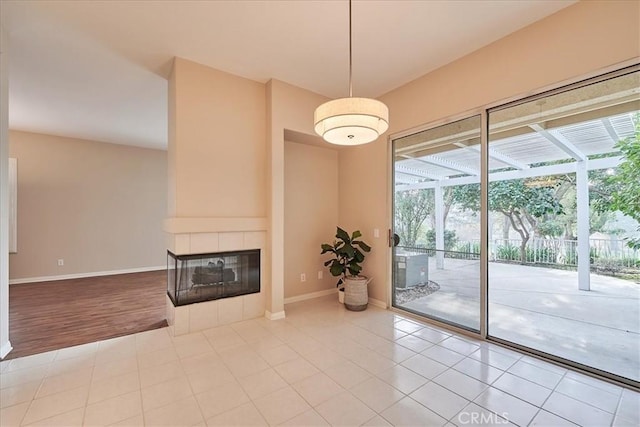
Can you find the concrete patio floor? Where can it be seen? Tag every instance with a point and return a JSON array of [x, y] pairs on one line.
[[543, 309]]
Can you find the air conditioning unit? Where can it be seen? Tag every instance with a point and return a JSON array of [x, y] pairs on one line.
[[411, 270]]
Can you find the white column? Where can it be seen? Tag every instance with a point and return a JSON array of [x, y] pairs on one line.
[[582, 199], [439, 214], [5, 345]]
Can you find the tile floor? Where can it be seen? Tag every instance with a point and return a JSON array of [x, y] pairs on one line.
[[322, 365]]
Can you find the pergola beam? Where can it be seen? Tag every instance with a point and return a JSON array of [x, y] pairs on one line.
[[610, 130], [557, 139], [417, 172], [447, 164], [496, 155], [595, 164]]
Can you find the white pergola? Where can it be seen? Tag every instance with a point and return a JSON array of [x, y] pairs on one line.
[[518, 140]]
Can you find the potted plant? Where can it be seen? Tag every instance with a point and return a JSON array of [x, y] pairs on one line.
[[348, 254]]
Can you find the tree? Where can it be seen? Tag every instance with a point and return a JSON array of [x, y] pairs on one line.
[[412, 208], [522, 204], [625, 183]]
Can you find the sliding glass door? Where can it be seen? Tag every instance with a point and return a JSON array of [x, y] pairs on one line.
[[564, 272], [436, 262], [562, 211]]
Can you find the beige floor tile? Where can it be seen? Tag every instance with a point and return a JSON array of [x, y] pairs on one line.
[[279, 354], [394, 351], [461, 384], [107, 369], [262, 383], [71, 364], [575, 411], [317, 388], [402, 378], [56, 404], [424, 366], [443, 355], [547, 419], [439, 400], [248, 365], [68, 419], [476, 415], [309, 418], [244, 415], [460, 345], [12, 415], [522, 389], [201, 362], [408, 412], [281, 405], [494, 358], [324, 358], [22, 376], [184, 412], [136, 421], [164, 393], [296, 370], [113, 386], [478, 370], [515, 410], [211, 378], [221, 399], [588, 394], [28, 362], [374, 362], [414, 343], [154, 340], [191, 345], [84, 350], [68, 381], [18, 394], [377, 394], [156, 358], [629, 408], [345, 410], [113, 410], [377, 421], [347, 374], [161, 373], [116, 348]]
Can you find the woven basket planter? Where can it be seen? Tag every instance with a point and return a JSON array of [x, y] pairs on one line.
[[356, 295]]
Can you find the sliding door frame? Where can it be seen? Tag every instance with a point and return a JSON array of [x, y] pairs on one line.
[[608, 73]]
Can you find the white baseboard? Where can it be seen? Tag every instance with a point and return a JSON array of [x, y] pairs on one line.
[[378, 303], [5, 349], [274, 316], [310, 295], [84, 275]]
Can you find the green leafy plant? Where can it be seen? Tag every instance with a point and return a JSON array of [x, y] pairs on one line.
[[348, 254]]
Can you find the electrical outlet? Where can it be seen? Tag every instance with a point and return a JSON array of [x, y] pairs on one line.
[[320, 275], [60, 262], [303, 277]]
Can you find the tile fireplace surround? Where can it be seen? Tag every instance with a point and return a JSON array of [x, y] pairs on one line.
[[183, 240]]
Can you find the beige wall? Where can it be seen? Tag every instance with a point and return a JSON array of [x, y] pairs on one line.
[[580, 40], [217, 150], [288, 107], [98, 206], [310, 215]]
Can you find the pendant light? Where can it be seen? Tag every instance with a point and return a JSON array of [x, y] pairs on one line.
[[351, 121]]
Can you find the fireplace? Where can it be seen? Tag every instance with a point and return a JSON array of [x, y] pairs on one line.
[[204, 277]]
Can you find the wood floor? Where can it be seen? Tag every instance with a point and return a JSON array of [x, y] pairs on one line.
[[51, 315]]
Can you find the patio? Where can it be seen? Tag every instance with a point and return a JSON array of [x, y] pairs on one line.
[[543, 308]]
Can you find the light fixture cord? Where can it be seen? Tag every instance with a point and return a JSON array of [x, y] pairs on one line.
[[350, 56]]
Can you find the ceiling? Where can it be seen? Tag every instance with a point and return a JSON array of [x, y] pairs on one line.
[[97, 69]]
